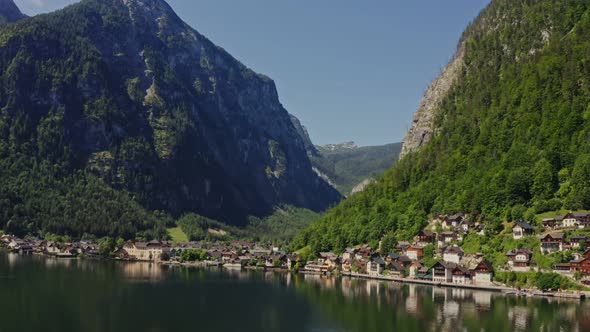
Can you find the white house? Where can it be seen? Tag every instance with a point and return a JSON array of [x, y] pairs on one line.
[[483, 273], [443, 272], [375, 266], [453, 254], [146, 251], [522, 229]]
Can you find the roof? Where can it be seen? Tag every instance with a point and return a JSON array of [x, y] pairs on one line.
[[554, 236], [393, 255], [455, 217], [378, 260], [426, 232], [486, 264], [524, 225], [397, 266], [513, 252], [404, 259], [453, 250], [462, 269]]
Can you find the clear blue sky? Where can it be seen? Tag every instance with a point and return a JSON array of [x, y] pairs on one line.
[[349, 69]]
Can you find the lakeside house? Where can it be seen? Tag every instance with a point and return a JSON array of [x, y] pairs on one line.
[[453, 254], [452, 221], [415, 252], [444, 238], [483, 273], [578, 241], [375, 266], [443, 272], [522, 229], [417, 270], [576, 220], [552, 242], [316, 267], [552, 223], [425, 237], [396, 269], [465, 226], [349, 253], [402, 246], [582, 264], [520, 259], [461, 275], [146, 251]]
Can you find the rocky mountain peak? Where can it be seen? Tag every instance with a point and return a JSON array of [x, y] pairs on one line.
[[340, 146]]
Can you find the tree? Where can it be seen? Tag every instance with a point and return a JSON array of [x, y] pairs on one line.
[[543, 180], [388, 243], [107, 246], [580, 180]]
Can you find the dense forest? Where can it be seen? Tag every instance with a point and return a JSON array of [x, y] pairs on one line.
[[512, 136]]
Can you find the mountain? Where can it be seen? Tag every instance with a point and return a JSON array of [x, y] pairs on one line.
[[341, 147], [350, 168], [123, 95], [502, 134], [9, 12], [346, 166]]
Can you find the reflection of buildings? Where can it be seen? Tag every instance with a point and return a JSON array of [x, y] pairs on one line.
[[56, 262], [483, 300], [12, 259], [520, 317], [372, 288], [412, 300], [143, 271], [346, 287]]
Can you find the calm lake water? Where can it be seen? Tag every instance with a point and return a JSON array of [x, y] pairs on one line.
[[41, 294]]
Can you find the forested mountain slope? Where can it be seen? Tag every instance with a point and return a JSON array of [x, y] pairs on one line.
[[110, 109], [511, 134]]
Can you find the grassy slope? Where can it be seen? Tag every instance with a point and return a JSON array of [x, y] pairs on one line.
[[177, 235]]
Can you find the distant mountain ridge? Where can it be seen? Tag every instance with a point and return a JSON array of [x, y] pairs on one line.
[[350, 168], [346, 166], [341, 147]]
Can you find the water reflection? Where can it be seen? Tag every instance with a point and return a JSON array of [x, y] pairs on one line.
[[121, 296], [143, 272]]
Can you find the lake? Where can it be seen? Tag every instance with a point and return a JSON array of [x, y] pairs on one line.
[[45, 294]]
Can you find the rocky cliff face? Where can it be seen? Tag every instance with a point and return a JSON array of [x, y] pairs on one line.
[[422, 130], [9, 12], [126, 90], [302, 131]]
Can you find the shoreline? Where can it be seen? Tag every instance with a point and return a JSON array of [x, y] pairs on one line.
[[579, 295], [505, 290]]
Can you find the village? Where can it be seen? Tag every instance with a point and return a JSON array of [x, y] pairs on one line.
[[447, 263]]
